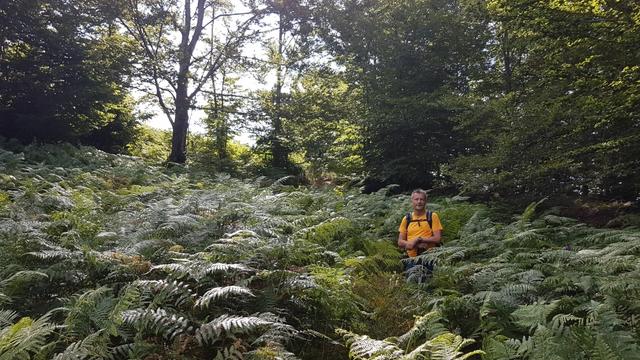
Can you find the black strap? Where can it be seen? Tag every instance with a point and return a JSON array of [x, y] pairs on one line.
[[429, 220]]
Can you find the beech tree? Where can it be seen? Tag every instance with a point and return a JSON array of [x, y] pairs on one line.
[[178, 56]]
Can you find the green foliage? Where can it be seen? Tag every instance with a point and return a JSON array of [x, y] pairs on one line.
[[399, 56], [568, 130], [324, 129], [437, 345], [64, 74], [150, 144], [25, 338]]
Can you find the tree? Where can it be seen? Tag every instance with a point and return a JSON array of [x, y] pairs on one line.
[[177, 72], [414, 61], [558, 112], [222, 104], [323, 124], [288, 53], [64, 75]]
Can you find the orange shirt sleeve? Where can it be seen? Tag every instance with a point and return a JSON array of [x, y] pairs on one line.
[[403, 225], [436, 222]]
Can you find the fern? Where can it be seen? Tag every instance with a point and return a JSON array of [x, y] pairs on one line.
[[159, 322], [530, 316], [199, 269], [7, 317], [92, 346], [228, 325], [447, 346], [363, 347], [426, 327], [120, 352], [25, 338], [222, 293], [171, 292], [89, 312], [528, 213]]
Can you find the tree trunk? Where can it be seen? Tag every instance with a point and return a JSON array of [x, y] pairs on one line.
[[180, 130], [182, 99], [181, 120], [278, 152]]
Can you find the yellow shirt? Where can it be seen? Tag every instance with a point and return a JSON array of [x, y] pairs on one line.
[[419, 227]]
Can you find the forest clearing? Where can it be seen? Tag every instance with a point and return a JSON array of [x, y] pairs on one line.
[[234, 179]]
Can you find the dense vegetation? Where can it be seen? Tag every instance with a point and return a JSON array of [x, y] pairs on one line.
[[105, 256], [194, 246]]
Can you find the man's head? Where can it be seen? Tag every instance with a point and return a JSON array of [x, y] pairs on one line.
[[419, 200]]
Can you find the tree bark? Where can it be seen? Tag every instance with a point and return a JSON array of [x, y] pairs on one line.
[[183, 101], [278, 152], [180, 125]]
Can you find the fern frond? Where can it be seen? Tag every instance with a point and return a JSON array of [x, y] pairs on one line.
[[364, 347], [120, 352], [178, 269], [532, 238], [158, 322], [179, 293], [24, 276], [176, 225], [560, 321], [89, 312], [530, 316], [7, 317], [228, 324], [602, 351], [198, 269], [221, 293], [426, 327], [93, 346], [528, 213], [57, 254], [222, 267], [499, 349], [446, 346], [25, 337]]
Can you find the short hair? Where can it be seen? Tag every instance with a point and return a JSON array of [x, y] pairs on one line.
[[419, 191]]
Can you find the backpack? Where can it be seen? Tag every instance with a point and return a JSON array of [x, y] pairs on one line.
[[429, 220]]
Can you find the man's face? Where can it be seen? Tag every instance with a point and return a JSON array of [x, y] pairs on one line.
[[418, 201]]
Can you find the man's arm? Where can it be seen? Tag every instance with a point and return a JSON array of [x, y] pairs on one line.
[[424, 242], [404, 243]]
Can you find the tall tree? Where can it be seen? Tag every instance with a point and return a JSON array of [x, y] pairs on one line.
[[289, 48], [173, 62], [414, 60], [323, 124], [222, 109]]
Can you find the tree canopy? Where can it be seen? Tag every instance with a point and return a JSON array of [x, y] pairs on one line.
[[495, 99]]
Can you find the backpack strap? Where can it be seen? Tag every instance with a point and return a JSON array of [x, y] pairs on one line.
[[408, 218], [429, 219]]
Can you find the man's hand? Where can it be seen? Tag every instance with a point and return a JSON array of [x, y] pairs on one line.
[[411, 244]]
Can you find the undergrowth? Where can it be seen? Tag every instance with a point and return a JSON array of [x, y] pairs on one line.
[[107, 257]]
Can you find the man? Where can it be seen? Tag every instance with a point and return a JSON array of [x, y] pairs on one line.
[[416, 232]]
